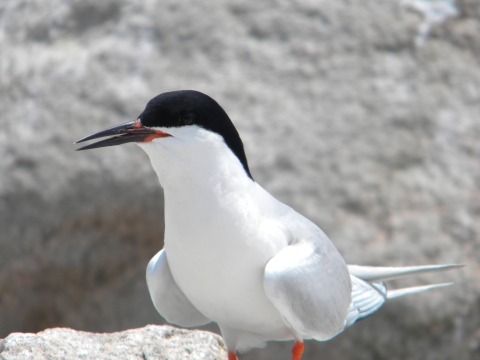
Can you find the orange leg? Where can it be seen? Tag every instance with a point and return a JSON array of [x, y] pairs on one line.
[[297, 350], [232, 355]]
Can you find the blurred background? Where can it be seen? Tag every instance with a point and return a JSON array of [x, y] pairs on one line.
[[362, 115]]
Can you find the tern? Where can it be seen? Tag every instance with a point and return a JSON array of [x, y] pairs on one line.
[[233, 254]]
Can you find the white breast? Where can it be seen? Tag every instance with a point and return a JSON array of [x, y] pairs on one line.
[[220, 229]]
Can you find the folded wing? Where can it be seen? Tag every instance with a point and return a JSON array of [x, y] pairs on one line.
[[167, 297], [310, 287], [366, 299]]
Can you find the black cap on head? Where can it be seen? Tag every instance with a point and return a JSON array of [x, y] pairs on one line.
[[188, 107]]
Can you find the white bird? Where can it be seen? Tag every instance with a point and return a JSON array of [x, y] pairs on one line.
[[234, 254]]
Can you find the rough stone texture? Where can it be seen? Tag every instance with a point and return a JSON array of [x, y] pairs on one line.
[[342, 118], [148, 343]]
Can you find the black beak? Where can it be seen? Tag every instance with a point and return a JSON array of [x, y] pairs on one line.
[[132, 131]]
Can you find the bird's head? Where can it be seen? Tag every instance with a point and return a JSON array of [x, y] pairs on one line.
[[180, 116]]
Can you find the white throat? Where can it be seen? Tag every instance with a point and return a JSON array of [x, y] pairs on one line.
[[205, 185], [194, 159]]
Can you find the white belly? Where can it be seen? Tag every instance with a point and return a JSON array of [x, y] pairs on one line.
[[220, 269]]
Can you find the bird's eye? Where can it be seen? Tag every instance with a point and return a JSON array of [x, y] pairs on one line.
[[188, 118]]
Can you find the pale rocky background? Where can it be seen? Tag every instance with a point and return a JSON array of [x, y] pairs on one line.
[[148, 343], [343, 117]]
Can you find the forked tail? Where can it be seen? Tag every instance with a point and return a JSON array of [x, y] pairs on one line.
[[369, 292]]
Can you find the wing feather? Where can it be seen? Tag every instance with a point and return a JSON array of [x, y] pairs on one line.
[[167, 297], [366, 299], [310, 287]]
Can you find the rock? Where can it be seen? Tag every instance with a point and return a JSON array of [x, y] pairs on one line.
[[151, 342], [342, 117]]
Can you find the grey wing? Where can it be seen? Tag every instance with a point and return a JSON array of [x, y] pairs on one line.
[[309, 284], [366, 299], [167, 297]]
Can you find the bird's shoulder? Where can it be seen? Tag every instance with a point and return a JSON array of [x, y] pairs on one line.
[[281, 220], [276, 214]]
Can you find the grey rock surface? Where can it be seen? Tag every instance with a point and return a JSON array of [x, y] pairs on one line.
[[151, 343], [342, 117]]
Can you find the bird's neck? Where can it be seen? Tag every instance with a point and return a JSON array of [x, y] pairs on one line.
[[193, 173], [208, 196]]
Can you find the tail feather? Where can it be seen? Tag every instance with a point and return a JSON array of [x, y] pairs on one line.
[[373, 273], [369, 292], [392, 294]]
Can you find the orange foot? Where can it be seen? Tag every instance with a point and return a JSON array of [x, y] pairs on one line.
[[297, 350], [232, 355]]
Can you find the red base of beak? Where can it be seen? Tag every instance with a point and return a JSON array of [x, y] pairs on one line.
[[132, 131]]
